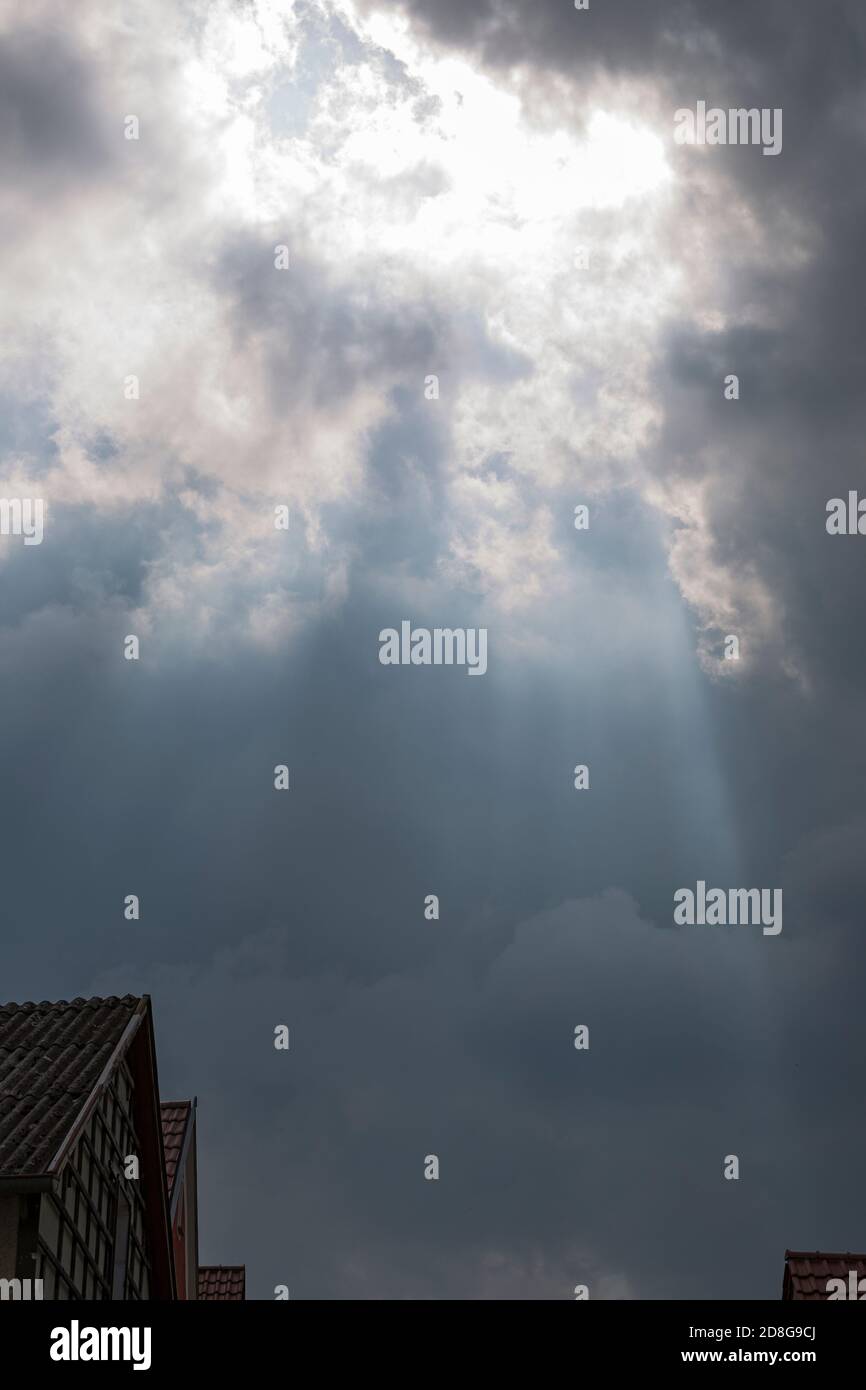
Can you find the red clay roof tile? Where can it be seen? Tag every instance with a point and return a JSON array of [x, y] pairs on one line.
[[175, 1116], [226, 1283], [807, 1272]]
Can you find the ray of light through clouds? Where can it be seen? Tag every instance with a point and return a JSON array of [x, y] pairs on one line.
[[413, 183], [439, 177], [413, 189]]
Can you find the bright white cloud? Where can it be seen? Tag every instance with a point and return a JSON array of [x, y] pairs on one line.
[[415, 196]]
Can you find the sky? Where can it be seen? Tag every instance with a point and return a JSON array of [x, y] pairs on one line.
[[239, 239]]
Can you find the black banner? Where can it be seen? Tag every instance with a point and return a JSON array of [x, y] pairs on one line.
[[155, 1339]]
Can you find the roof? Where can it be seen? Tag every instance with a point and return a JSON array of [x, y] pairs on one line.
[[175, 1117], [55, 1062], [51, 1058], [807, 1272], [225, 1283]]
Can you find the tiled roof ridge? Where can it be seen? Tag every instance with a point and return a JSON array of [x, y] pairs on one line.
[[824, 1255], [94, 1001]]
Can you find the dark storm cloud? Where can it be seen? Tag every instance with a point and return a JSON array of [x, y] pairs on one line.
[[408, 1037], [811, 52], [53, 132]]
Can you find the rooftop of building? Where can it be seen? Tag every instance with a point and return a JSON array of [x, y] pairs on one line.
[[807, 1272], [223, 1283], [52, 1058]]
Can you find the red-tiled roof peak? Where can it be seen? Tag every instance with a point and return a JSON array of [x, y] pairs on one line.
[[807, 1272], [175, 1118], [223, 1283]]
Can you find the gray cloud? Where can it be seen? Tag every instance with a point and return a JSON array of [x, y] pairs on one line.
[[53, 132]]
